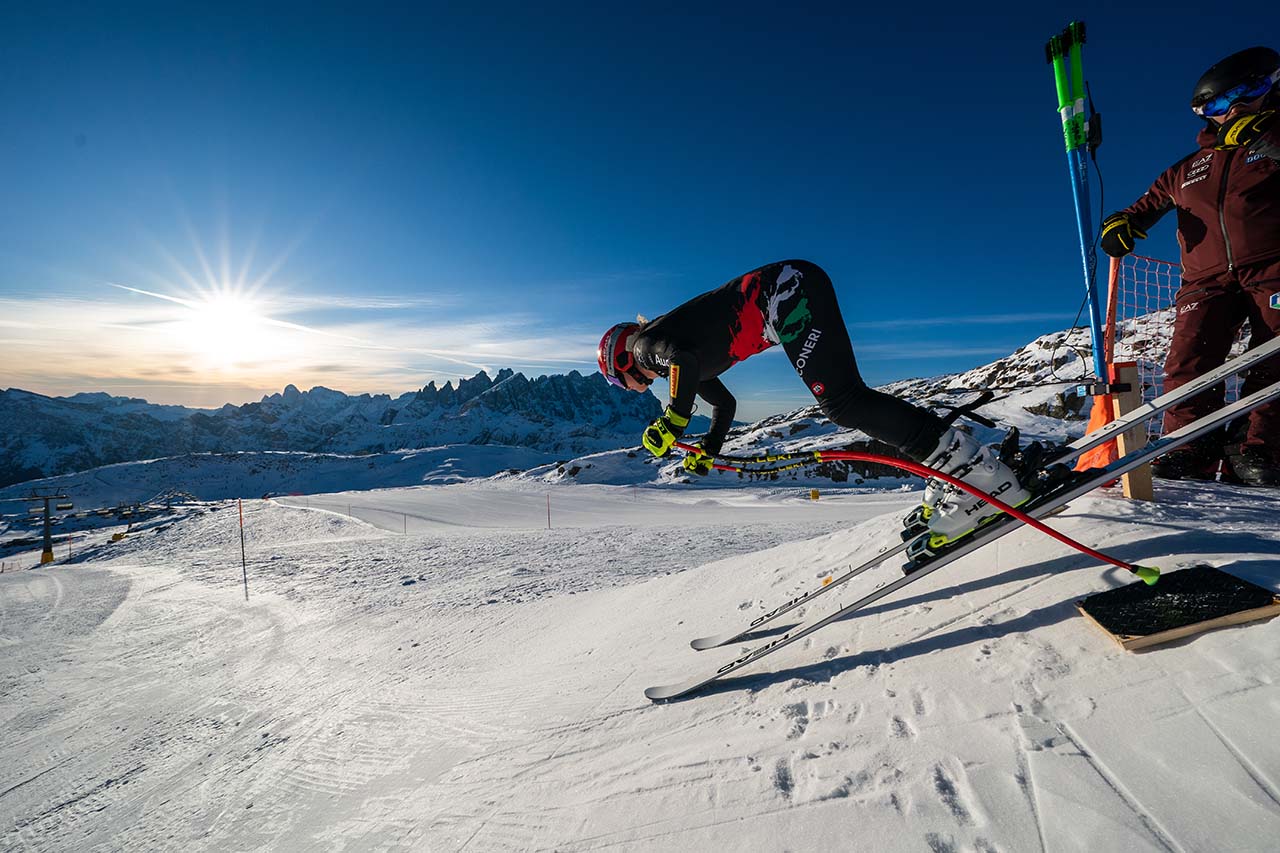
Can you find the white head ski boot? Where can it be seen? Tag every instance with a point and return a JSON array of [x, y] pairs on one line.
[[952, 513]]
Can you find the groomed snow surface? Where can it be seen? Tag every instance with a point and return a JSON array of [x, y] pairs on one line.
[[475, 683]]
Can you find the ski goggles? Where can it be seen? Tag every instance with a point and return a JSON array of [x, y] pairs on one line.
[[619, 368], [1250, 90]]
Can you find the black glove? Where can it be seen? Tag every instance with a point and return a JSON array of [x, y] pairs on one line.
[[1119, 236], [1243, 131]]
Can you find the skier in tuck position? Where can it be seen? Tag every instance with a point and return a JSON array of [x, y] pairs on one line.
[[793, 303], [1227, 195]]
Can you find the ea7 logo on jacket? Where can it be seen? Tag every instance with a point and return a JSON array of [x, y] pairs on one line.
[[1197, 171]]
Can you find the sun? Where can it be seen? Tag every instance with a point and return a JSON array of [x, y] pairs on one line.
[[226, 328]]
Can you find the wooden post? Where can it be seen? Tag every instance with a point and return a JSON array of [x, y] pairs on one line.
[[46, 556], [244, 566], [1137, 483]]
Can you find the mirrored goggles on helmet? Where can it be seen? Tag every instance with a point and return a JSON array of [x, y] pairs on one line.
[[1250, 90]]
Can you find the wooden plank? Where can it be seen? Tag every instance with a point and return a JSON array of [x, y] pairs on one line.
[[1136, 483]]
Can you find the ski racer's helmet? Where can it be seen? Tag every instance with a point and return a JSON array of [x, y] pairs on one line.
[[613, 357], [1241, 77]]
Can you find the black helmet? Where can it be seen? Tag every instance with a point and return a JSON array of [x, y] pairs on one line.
[[1243, 76]]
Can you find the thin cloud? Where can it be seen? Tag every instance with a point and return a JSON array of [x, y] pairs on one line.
[[957, 319], [141, 342], [909, 350], [300, 304]]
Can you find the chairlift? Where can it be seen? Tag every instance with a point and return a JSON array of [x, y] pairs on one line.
[[65, 505]]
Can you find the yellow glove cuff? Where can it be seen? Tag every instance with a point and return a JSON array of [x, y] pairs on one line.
[[675, 419]]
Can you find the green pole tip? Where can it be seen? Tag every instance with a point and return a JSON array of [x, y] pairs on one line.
[[1150, 574]]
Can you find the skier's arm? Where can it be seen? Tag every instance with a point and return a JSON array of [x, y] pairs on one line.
[[680, 366], [1121, 230], [682, 376], [723, 408], [1154, 204]]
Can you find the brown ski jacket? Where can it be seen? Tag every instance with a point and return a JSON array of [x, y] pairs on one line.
[[1228, 203]]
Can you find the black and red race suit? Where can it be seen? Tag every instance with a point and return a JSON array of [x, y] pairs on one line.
[[1228, 205], [791, 303]]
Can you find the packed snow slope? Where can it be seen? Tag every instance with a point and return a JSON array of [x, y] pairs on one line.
[[462, 678]]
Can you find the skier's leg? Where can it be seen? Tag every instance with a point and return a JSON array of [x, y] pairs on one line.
[[1208, 315], [1255, 457], [801, 313]]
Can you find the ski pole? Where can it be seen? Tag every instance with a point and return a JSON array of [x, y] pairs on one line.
[[1063, 52], [1148, 573]]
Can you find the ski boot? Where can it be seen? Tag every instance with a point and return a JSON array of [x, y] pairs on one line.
[[948, 513], [1254, 466], [1188, 464]]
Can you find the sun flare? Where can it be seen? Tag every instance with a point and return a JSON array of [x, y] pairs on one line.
[[227, 328]]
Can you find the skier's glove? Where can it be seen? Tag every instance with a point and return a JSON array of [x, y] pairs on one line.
[[1119, 236], [698, 463], [660, 435], [1243, 131]]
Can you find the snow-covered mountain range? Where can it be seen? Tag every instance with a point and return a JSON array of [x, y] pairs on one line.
[[554, 428], [568, 413]]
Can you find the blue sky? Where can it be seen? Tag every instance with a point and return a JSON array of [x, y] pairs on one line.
[[201, 205]]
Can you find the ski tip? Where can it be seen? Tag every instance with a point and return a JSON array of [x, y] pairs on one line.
[[701, 644], [1149, 574]]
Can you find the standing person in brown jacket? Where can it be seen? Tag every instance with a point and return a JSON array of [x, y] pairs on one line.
[[1227, 195]]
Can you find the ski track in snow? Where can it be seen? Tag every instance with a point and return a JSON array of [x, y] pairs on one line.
[[475, 684]]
